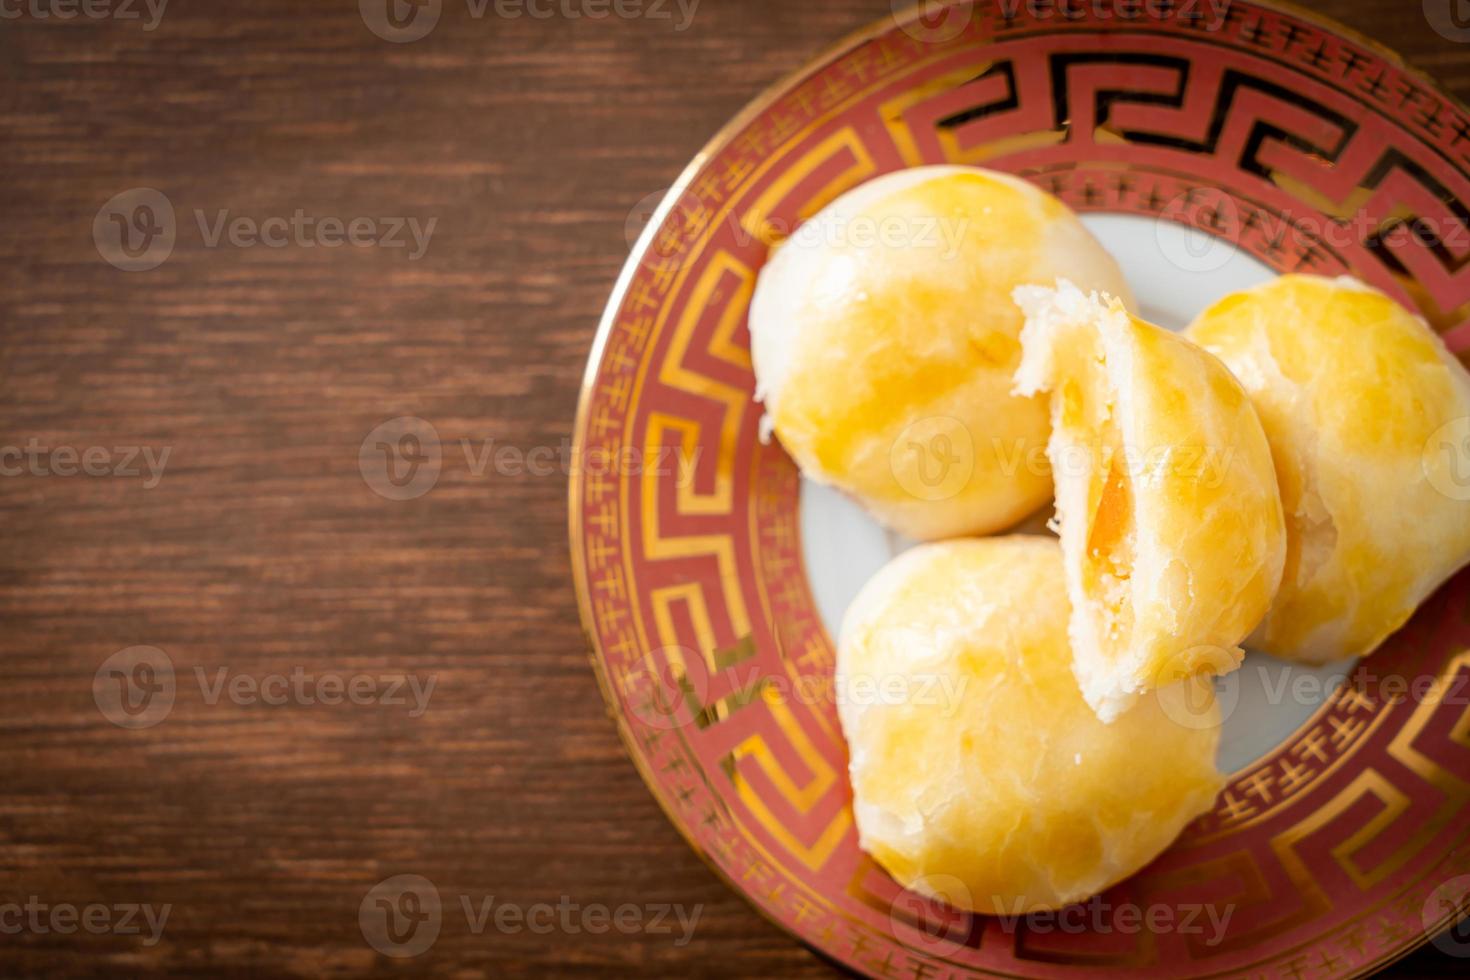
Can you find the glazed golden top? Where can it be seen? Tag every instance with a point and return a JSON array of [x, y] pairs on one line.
[[1359, 399], [998, 789], [885, 340]]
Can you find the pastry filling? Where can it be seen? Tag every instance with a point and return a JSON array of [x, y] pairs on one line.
[[1107, 555]]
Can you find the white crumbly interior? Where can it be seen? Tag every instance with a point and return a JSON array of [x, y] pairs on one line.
[[1062, 321]]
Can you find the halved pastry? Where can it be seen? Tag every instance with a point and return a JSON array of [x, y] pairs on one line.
[[884, 341], [1368, 415], [1171, 522], [979, 774]]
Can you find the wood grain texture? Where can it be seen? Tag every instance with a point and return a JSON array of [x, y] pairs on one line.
[[262, 550]]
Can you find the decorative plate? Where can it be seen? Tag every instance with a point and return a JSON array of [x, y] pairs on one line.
[[1209, 145]]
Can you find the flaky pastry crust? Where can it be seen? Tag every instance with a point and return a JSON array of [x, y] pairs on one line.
[[884, 341], [1366, 412], [1170, 518], [996, 788]]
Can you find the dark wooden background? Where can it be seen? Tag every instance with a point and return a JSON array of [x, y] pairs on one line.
[[262, 549]]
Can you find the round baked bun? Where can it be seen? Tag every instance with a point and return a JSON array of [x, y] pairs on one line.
[[991, 784], [1368, 415], [884, 342], [1170, 518]]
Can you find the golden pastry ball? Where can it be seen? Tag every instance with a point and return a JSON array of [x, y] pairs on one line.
[[997, 788], [884, 340], [1171, 521], [1366, 412]]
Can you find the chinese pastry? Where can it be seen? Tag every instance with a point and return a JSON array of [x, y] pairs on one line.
[[1368, 416], [884, 342], [1171, 523], [991, 784]]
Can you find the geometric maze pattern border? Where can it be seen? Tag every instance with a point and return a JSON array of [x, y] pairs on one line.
[[1311, 149]]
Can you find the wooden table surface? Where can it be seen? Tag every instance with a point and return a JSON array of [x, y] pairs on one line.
[[260, 551]]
